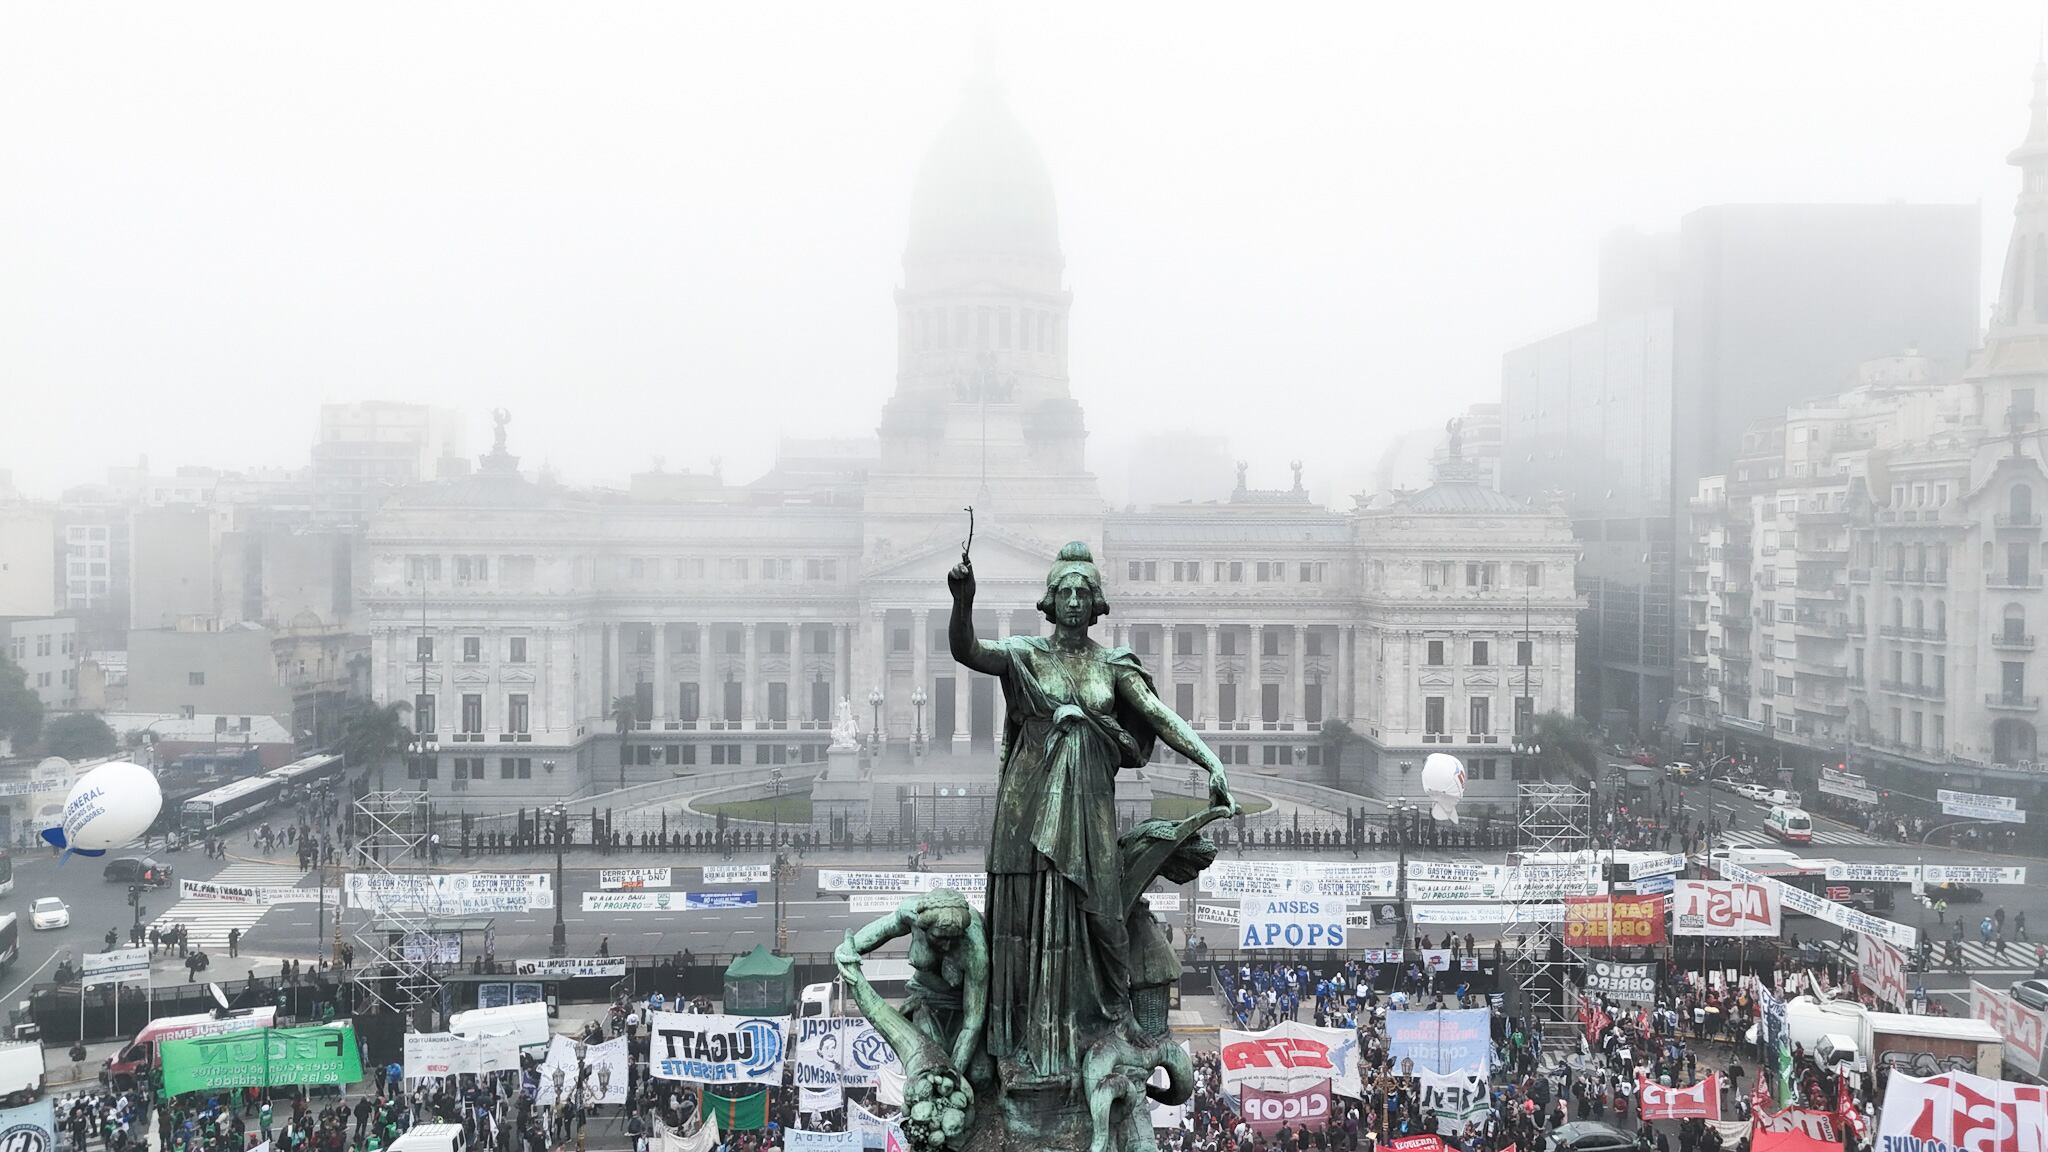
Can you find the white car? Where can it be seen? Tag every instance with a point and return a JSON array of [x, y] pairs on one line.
[[49, 912], [1750, 791]]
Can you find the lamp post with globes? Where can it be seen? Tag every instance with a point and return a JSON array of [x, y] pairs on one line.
[[875, 705], [917, 702], [558, 945], [1524, 751], [775, 804]]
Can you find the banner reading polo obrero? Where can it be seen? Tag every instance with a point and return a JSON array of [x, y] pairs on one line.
[[450, 894], [716, 1049], [1291, 1056], [1442, 1042], [1722, 908], [1962, 1112]]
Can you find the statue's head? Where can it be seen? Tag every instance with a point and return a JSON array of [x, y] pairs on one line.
[[943, 915], [1073, 588]]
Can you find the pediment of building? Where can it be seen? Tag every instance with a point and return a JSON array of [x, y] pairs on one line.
[[519, 674], [472, 674], [1437, 679]]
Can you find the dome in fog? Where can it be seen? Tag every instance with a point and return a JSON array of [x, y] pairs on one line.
[[982, 188]]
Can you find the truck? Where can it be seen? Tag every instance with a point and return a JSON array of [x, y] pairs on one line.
[[21, 1074], [1844, 1032], [132, 1064]]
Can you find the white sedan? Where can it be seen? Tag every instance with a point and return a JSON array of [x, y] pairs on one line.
[[49, 912]]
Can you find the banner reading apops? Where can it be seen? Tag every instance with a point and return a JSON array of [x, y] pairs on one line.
[[1292, 1056], [1442, 1042], [1268, 1112], [1290, 922], [716, 1049], [266, 1058]]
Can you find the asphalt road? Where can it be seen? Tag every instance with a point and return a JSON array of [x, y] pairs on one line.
[[817, 922]]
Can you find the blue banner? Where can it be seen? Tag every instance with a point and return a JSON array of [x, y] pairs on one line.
[[746, 899], [1441, 1043], [32, 1128]]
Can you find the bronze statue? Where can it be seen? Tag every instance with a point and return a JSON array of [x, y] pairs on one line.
[[1055, 1000]]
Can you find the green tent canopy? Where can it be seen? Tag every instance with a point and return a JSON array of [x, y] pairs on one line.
[[760, 984]]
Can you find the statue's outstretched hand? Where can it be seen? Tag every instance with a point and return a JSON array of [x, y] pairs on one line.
[[847, 958], [1219, 792], [960, 580]]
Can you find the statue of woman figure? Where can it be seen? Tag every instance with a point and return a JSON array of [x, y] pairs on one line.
[[1075, 712]]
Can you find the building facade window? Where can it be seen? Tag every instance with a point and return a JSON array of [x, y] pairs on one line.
[[1433, 715], [515, 713], [515, 650], [472, 713], [423, 714], [472, 649]]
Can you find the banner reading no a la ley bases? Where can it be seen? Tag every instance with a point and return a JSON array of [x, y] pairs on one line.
[[263, 1058]]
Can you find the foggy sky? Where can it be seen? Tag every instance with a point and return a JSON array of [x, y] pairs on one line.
[[672, 230]]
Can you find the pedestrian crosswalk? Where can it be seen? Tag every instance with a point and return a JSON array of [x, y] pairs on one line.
[[1980, 958], [1822, 837], [207, 922]]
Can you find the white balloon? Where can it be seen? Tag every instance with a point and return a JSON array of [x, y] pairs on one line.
[[108, 808], [1443, 781]]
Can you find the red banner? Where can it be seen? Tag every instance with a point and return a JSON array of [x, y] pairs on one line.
[[1424, 1144], [1702, 1101], [1811, 1122], [1613, 921], [1268, 1112]]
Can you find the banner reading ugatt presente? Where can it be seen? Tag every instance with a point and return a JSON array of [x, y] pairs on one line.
[[716, 1049]]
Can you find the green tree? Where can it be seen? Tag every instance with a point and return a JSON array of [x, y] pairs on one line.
[[21, 710], [625, 715], [78, 736], [372, 734], [1571, 748]]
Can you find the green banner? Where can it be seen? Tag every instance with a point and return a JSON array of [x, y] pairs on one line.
[[738, 1113], [262, 1058]]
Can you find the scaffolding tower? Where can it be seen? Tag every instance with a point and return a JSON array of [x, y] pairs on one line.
[[1551, 818], [395, 940]]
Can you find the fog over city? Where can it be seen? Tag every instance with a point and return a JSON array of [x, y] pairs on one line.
[[671, 231]]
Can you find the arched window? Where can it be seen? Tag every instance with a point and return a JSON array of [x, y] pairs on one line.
[[2015, 624], [1898, 612], [2020, 503], [1919, 615]]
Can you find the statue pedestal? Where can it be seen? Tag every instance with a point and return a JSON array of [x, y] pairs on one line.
[[1053, 1120], [839, 796]]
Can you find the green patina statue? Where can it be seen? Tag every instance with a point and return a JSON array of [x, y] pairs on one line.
[[1077, 969]]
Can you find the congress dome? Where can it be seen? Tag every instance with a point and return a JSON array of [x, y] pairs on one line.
[[982, 188]]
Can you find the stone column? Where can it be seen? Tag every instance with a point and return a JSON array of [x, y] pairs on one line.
[[750, 701], [1340, 707], [1255, 678], [707, 704], [842, 665], [799, 691], [1300, 673], [920, 655], [878, 627], [963, 707], [1163, 673], [663, 706], [617, 664], [1208, 702]]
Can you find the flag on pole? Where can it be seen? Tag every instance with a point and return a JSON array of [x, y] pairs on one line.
[[737, 1113]]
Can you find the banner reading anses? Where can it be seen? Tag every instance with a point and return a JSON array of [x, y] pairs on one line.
[[1290, 922]]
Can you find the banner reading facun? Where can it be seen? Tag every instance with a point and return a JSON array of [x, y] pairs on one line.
[[266, 1057]]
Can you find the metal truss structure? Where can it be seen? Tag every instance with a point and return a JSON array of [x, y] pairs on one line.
[[1550, 818], [394, 943]]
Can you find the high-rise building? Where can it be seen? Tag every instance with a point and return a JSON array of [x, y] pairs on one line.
[[1747, 309]]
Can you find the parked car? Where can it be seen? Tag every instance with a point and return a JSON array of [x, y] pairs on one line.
[[1749, 791], [1682, 770], [1955, 893], [49, 912], [138, 870], [1589, 1136], [2032, 993]]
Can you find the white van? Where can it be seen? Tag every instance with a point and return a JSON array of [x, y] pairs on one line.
[[1784, 796], [1791, 825], [527, 1022], [429, 1138]]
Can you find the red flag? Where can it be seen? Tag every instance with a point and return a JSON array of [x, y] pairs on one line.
[[1847, 1107]]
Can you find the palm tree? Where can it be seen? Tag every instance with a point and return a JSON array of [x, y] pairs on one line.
[[373, 733], [625, 716], [1571, 747]]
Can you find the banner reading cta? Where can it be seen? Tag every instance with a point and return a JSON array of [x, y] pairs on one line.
[[265, 1058], [1290, 1056], [716, 1049]]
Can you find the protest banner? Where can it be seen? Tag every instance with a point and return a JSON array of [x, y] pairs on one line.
[[2021, 1026], [431, 1055], [1454, 1101], [798, 1140], [1634, 983], [114, 967], [1975, 806], [262, 1058], [29, 1128], [1840, 915], [840, 880], [1290, 922], [1292, 1055], [1268, 1112], [1882, 969], [563, 968], [1961, 1110], [713, 1049], [1378, 880], [1701, 1101], [738, 873], [1487, 913], [1441, 1042], [449, 893], [261, 894], [612, 879], [1722, 908]]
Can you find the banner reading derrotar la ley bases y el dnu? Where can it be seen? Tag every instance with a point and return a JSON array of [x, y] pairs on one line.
[[716, 1049]]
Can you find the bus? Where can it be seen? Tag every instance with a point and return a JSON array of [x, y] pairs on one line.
[[206, 814], [6, 872], [10, 941], [305, 775]]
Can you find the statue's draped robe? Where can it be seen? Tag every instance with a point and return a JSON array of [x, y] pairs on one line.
[[1059, 967]]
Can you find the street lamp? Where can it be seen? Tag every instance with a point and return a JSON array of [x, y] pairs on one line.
[[1300, 755], [1524, 750], [775, 805], [559, 945], [917, 699], [875, 703]]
